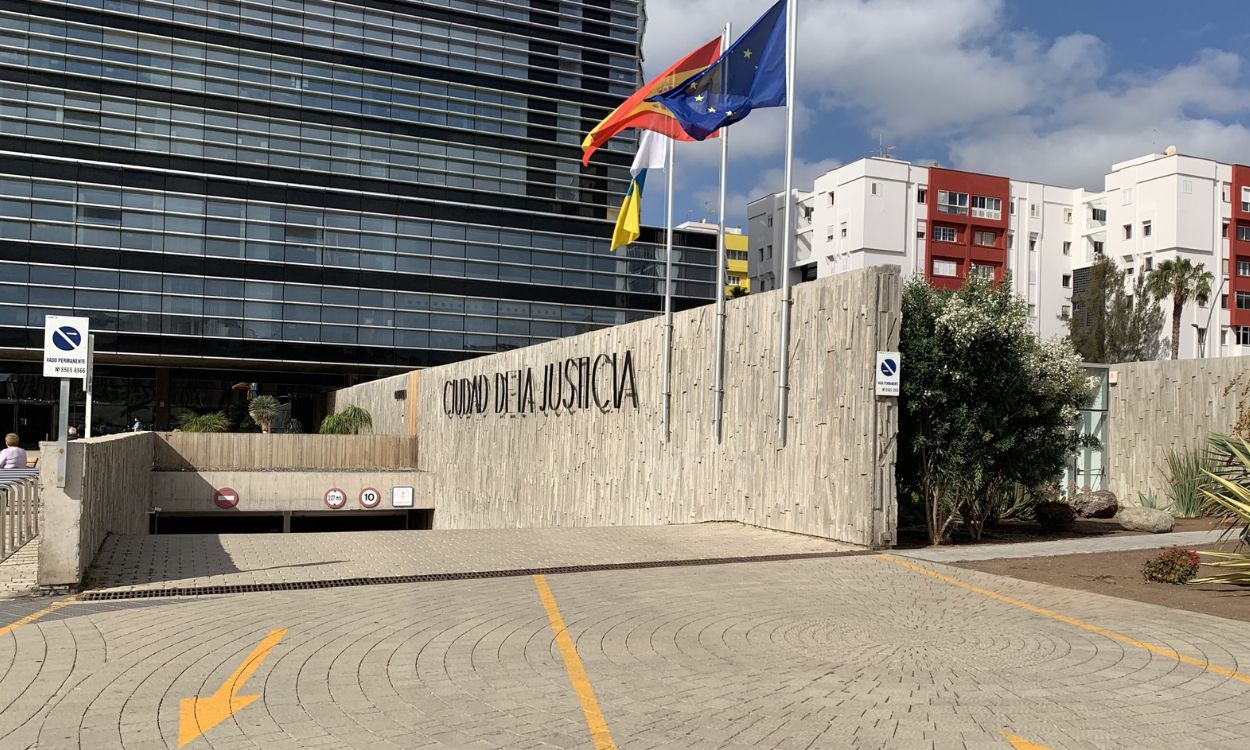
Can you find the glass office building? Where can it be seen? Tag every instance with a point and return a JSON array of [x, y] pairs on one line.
[[303, 194]]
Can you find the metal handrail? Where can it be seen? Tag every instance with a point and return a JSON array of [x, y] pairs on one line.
[[19, 510]]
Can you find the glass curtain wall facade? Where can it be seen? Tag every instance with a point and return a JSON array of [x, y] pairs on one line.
[[365, 185]]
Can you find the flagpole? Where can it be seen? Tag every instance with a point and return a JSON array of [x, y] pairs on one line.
[[719, 387], [783, 370], [668, 296]]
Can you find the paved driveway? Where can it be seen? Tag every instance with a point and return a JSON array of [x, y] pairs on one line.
[[846, 652]]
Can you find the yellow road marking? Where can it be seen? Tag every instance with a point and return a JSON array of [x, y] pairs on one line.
[[1020, 743], [577, 673], [28, 619], [1202, 664], [198, 715]]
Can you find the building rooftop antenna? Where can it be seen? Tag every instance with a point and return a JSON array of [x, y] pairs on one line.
[[884, 151]]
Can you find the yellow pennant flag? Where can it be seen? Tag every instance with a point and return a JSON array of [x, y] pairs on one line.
[[652, 153]]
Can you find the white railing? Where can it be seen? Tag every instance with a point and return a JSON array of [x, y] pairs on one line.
[[19, 509]]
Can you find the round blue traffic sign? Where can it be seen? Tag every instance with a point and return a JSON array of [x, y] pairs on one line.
[[889, 367], [66, 338]]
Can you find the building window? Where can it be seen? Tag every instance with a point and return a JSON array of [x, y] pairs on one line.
[[843, 229], [1067, 216], [987, 239], [831, 197], [922, 195], [1126, 196], [1224, 301], [1032, 311], [1067, 281], [1243, 267], [1187, 187], [1243, 335], [1130, 271], [1065, 312], [770, 251], [1128, 231], [1067, 248], [1146, 228], [1150, 264], [1243, 233], [987, 208], [1034, 211], [1098, 214], [829, 233], [770, 221], [1224, 230], [1225, 191], [944, 234], [1011, 240], [920, 230], [944, 268], [982, 271], [1097, 247], [1223, 337], [952, 203], [1032, 242], [1243, 300], [1011, 206], [876, 188]]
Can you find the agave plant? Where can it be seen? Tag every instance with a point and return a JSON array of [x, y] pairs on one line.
[[264, 410], [1228, 498], [351, 421], [211, 422], [1188, 473]]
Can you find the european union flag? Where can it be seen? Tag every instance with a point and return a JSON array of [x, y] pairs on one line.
[[749, 75]]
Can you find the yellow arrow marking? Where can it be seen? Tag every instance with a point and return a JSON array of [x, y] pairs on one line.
[[1020, 743], [198, 715]]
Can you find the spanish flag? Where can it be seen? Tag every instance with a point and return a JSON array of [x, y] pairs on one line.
[[652, 153], [637, 112]]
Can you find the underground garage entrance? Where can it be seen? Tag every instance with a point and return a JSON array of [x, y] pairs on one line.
[[292, 522]]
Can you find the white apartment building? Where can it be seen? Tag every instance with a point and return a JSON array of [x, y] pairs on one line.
[[944, 225]]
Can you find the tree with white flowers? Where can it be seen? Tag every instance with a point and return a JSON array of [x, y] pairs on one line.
[[984, 406]]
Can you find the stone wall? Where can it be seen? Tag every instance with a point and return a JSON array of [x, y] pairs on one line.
[[108, 483], [391, 415], [198, 451], [591, 467], [282, 491], [1158, 407]]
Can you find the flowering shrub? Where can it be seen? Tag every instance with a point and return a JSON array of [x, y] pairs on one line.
[[1175, 565]]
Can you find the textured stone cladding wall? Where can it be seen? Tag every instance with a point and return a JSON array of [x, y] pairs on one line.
[[108, 483], [391, 416], [1158, 407], [835, 478]]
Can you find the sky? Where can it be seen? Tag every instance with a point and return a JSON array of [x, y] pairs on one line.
[[1052, 91]]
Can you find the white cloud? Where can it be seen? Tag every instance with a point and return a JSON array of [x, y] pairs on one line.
[[957, 76]]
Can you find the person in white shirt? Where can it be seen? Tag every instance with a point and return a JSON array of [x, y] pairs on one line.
[[12, 457], [138, 425]]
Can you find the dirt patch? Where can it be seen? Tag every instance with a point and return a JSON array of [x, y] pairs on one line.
[[1009, 532], [1119, 574]]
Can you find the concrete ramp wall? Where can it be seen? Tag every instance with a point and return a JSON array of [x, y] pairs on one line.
[[498, 458]]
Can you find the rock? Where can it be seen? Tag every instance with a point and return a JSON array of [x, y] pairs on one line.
[[1101, 504], [1146, 519]]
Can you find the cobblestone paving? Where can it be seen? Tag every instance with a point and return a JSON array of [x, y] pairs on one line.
[[152, 562], [19, 571], [848, 652]]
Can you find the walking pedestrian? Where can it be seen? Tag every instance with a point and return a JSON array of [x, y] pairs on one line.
[[12, 457]]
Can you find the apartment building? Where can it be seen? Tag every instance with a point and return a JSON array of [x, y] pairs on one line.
[[946, 225], [737, 254]]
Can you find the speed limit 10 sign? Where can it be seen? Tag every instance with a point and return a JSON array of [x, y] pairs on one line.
[[369, 498]]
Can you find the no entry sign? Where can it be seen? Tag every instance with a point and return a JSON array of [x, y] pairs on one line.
[[369, 498], [226, 498], [335, 498]]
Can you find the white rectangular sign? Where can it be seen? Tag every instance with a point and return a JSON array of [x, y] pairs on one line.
[[65, 346], [401, 497], [889, 368]]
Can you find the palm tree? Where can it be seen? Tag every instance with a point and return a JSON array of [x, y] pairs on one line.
[[1179, 279], [263, 410]]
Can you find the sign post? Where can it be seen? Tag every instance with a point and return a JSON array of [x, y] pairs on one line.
[[65, 356], [86, 385]]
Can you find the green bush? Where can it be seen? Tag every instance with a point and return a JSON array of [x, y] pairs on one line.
[[212, 422], [1054, 515], [1148, 500], [351, 421], [1228, 500], [1187, 476], [1175, 565]]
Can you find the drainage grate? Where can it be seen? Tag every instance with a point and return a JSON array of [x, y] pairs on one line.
[[243, 588]]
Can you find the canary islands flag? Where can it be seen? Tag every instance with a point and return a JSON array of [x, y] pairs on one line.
[[652, 152], [750, 75]]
